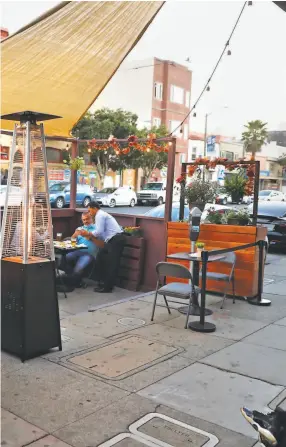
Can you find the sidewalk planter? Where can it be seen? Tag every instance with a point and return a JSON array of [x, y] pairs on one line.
[[131, 264], [223, 236]]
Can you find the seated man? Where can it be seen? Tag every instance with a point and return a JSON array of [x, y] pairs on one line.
[[77, 261]]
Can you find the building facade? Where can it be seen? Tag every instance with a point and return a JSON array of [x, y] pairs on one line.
[[158, 91], [3, 33]]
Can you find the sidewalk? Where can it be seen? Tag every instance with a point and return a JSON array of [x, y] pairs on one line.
[[116, 368]]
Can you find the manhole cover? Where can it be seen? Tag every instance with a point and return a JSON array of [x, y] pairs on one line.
[[132, 322], [122, 356], [163, 430], [127, 440]]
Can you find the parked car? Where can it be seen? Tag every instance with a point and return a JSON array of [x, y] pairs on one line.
[[269, 195], [15, 196], [60, 195], [247, 200], [273, 216], [159, 211], [154, 193], [223, 198], [112, 197]]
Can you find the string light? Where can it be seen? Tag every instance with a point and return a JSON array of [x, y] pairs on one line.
[[249, 3], [194, 114], [206, 86], [89, 150], [229, 52]]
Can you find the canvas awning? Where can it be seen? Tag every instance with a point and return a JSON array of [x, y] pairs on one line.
[[61, 62]]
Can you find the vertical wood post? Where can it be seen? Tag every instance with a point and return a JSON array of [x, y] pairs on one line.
[[74, 153], [170, 180]]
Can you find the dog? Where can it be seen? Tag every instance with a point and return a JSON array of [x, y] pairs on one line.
[[271, 427]]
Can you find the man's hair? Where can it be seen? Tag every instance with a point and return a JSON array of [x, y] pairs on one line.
[[85, 213], [94, 204]]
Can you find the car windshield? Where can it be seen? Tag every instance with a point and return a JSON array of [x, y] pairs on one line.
[[107, 190], [264, 193], [153, 186], [58, 187]]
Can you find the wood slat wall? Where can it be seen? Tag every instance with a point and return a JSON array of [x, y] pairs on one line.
[[222, 236], [131, 264]]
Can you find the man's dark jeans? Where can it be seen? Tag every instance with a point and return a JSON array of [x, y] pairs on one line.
[[77, 262], [108, 261]]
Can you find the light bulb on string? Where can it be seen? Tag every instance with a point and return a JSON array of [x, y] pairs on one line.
[[194, 114], [170, 143], [208, 88], [181, 129], [249, 3], [228, 52], [89, 150]]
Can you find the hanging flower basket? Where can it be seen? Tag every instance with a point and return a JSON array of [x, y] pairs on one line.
[[75, 164]]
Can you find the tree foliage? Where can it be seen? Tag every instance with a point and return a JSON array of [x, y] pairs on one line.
[[254, 136], [148, 161]]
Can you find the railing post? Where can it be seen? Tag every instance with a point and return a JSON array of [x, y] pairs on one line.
[[258, 300], [182, 192], [202, 325], [74, 153], [170, 180]]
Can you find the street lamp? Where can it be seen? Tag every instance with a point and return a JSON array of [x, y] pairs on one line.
[[206, 128]]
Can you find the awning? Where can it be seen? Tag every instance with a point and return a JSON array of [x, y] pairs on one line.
[[61, 62]]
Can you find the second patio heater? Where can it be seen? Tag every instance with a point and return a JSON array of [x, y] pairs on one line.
[[30, 315]]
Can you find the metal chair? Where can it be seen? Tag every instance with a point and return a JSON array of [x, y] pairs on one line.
[[228, 278], [174, 289]]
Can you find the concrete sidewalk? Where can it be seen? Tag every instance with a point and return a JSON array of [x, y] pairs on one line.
[[116, 368]]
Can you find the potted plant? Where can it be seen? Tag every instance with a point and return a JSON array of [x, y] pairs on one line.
[[199, 192], [200, 246], [75, 164], [243, 217], [232, 218], [214, 216], [133, 231], [234, 185]]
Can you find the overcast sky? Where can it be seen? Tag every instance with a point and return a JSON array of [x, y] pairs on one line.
[[251, 82]]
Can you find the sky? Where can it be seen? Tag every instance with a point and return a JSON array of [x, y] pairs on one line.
[[251, 82]]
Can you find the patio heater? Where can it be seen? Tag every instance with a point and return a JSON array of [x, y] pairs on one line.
[[30, 313]]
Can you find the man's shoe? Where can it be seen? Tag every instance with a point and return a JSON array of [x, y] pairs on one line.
[[102, 290]]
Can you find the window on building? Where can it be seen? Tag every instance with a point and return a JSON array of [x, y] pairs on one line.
[[158, 90], [177, 94], [187, 100], [54, 155], [229, 155], [157, 122], [194, 152], [186, 131], [173, 125]]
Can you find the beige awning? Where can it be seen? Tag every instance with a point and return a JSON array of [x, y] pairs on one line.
[[61, 62]]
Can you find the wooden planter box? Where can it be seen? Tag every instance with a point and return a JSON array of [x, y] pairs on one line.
[[223, 236], [131, 264]]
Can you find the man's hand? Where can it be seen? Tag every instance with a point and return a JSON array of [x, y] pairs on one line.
[[84, 233]]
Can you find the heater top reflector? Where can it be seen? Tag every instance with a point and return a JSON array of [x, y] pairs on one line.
[[28, 115]]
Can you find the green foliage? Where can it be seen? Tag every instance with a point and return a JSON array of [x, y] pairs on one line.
[[75, 164], [282, 160], [200, 191], [105, 122], [200, 245], [254, 136], [234, 185]]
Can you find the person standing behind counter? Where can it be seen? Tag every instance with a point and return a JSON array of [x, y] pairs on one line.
[[109, 231]]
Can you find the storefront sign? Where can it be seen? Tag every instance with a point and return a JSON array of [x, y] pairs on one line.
[[264, 173], [211, 143], [56, 174]]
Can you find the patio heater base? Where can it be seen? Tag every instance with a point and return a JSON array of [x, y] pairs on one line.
[[30, 322], [262, 302], [196, 311], [198, 327]]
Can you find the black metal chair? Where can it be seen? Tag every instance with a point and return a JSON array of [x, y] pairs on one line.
[[174, 289], [228, 278]]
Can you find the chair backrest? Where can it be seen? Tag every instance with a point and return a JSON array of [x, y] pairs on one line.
[[230, 258], [174, 270]]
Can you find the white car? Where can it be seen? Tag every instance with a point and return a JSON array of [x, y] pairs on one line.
[[112, 197], [270, 195], [15, 196]]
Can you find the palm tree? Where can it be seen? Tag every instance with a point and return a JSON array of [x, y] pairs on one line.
[[254, 137]]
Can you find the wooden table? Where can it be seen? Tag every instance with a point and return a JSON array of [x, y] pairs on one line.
[[195, 310]]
